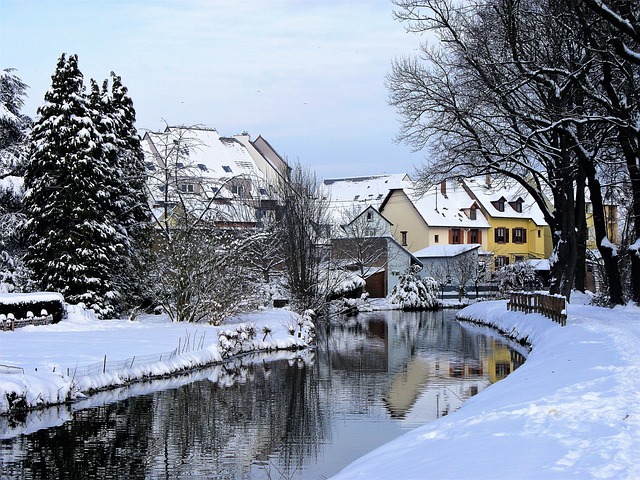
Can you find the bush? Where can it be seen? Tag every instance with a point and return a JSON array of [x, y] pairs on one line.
[[519, 276], [413, 293]]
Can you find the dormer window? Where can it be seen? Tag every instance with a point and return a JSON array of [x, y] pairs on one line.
[[517, 205], [499, 204]]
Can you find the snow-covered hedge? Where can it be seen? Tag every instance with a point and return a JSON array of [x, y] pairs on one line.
[[414, 293], [24, 305]]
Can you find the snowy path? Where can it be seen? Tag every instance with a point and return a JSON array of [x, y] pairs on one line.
[[571, 411]]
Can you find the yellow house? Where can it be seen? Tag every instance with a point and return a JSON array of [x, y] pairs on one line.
[[443, 215], [611, 220], [517, 230]]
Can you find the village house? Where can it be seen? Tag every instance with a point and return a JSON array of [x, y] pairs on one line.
[[365, 246], [518, 230], [195, 170], [443, 215]]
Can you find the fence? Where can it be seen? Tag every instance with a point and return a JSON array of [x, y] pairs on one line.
[[551, 306], [10, 323]]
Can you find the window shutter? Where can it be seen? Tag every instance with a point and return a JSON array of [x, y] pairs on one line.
[[450, 237], [480, 236], [506, 235], [495, 234], [524, 235]]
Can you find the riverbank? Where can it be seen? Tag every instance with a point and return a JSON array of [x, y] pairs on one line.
[[65, 362], [571, 411]]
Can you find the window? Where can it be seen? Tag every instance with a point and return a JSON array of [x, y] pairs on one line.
[[472, 213], [454, 236], [539, 233], [501, 235], [237, 190], [519, 235], [263, 191], [369, 216], [501, 261], [202, 167], [186, 187], [436, 239], [475, 236], [227, 168], [403, 236], [179, 164], [517, 206], [499, 204]]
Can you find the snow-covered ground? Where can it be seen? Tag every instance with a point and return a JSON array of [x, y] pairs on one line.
[[55, 363], [571, 411]]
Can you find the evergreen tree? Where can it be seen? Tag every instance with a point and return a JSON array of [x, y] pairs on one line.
[[14, 128], [133, 209], [72, 233]]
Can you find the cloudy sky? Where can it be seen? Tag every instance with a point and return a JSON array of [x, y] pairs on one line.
[[308, 75]]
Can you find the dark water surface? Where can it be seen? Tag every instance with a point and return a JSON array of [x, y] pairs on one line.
[[304, 415]]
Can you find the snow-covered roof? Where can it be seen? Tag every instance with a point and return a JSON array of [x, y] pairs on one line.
[[445, 251], [540, 265], [221, 156], [512, 192], [448, 209], [367, 190], [215, 163], [350, 196]]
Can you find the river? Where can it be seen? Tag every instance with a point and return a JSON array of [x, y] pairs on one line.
[[290, 415]]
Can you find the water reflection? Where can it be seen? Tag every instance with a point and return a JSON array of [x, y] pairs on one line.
[[307, 416]]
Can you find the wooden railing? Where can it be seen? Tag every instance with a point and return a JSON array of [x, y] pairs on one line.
[[10, 323], [551, 306]]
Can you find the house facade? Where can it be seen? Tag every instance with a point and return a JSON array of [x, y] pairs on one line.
[[443, 215], [365, 246], [223, 181], [518, 231]]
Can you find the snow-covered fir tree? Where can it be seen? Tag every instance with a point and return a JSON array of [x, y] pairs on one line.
[[72, 231], [14, 127], [132, 208]]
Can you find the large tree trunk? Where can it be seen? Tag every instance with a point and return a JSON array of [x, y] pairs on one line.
[[581, 232], [609, 258], [563, 266]]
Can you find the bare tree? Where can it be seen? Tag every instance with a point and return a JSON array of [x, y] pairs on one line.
[[205, 231], [304, 235], [361, 241], [506, 94]]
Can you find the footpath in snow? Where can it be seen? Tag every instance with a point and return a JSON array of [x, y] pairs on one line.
[[571, 411], [52, 364]]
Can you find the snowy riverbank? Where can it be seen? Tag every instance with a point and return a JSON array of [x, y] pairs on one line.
[[52, 364], [571, 411]]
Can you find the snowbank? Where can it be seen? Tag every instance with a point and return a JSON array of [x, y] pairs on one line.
[[64, 362], [571, 411]]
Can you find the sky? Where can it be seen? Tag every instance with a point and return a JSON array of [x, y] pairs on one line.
[[307, 75]]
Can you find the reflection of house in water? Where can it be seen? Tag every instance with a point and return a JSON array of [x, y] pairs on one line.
[[502, 361], [439, 383], [432, 364]]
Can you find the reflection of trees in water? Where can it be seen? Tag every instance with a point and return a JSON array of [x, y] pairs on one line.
[[105, 442], [200, 430], [205, 429]]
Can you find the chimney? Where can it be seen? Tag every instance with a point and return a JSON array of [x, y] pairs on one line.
[[443, 188], [487, 179]]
